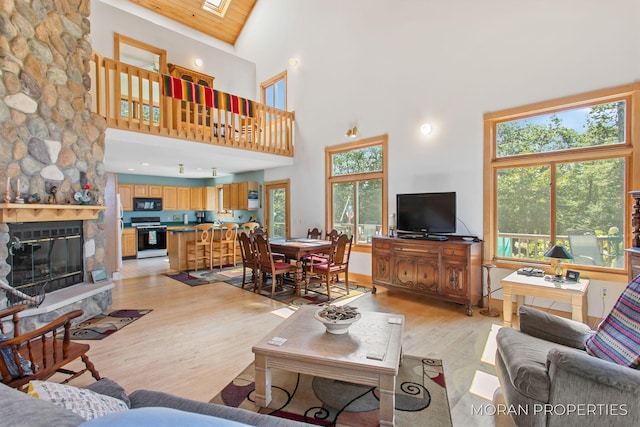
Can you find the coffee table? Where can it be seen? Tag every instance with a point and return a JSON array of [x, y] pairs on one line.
[[369, 354]]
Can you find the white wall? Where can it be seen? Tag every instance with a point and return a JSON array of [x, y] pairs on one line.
[[391, 65], [232, 73]]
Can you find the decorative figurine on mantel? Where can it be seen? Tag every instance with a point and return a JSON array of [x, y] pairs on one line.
[[83, 197]]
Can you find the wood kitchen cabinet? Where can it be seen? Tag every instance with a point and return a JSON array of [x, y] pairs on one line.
[[197, 198], [169, 198], [449, 270], [126, 196], [129, 243], [145, 190], [236, 195], [210, 198], [184, 198]]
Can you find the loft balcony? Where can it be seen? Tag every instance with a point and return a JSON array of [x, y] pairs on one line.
[[133, 99]]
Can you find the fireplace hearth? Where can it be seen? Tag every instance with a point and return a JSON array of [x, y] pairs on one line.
[[44, 256]]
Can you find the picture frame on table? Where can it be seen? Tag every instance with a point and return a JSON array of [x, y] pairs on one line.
[[572, 276]]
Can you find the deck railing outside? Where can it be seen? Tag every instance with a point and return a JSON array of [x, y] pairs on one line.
[[131, 98], [533, 247]]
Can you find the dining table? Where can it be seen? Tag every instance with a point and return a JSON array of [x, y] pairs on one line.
[[298, 249]]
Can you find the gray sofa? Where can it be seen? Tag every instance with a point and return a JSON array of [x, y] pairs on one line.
[[19, 409], [548, 379]]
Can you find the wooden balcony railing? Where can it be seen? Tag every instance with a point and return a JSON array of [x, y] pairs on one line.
[[131, 98]]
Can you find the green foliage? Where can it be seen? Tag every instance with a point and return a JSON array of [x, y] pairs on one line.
[[589, 195]]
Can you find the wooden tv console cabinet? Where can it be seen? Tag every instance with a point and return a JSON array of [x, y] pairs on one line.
[[447, 270]]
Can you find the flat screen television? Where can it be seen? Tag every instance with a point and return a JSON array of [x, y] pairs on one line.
[[426, 212]]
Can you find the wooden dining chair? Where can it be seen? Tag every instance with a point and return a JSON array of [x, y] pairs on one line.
[[314, 233], [200, 249], [225, 244], [39, 354], [249, 259], [267, 263], [335, 263], [332, 235]]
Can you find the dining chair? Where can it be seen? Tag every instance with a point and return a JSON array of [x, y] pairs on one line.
[[337, 262], [39, 354], [200, 249], [225, 245], [249, 259], [267, 264], [314, 233], [332, 235]]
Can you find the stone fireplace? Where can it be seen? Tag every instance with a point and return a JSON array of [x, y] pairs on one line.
[[51, 144]]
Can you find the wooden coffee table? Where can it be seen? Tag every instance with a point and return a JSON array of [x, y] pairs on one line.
[[351, 357]]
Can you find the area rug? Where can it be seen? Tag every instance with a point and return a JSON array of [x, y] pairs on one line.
[[421, 397], [233, 276], [105, 324]]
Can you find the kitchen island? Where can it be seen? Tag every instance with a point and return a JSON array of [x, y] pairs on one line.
[[177, 238]]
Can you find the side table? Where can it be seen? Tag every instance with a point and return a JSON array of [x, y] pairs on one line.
[[521, 286]]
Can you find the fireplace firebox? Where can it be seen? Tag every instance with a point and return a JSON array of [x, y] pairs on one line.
[[45, 254]]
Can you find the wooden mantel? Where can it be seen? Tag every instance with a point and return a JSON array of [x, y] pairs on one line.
[[17, 212]]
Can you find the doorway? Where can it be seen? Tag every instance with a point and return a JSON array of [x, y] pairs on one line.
[[277, 216]]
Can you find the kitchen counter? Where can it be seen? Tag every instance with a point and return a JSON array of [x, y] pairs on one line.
[[177, 238]]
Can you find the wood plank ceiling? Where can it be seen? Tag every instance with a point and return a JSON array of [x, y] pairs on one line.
[[191, 14]]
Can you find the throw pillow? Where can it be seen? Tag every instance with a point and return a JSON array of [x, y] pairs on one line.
[[7, 355], [618, 336], [86, 403]]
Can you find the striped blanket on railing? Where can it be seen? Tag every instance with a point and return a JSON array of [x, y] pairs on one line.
[[184, 90]]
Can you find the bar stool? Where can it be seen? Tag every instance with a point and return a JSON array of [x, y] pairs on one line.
[[490, 312]]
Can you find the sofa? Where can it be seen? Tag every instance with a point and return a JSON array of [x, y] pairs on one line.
[[153, 408], [547, 378]]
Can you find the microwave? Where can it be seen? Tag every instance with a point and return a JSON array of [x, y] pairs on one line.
[[147, 204]]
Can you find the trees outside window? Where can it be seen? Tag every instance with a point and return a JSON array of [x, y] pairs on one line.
[[356, 188], [558, 170]]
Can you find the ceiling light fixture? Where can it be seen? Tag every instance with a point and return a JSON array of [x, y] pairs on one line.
[[426, 129], [198, 62], [180, 168], [293, 62], [214, 172], [352, 132]]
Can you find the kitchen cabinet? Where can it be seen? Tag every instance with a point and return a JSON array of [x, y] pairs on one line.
[[184, 198], [126, 196], [145, 190], [129, 243], [197, 198], [236, 195], [210, 198], [449, 270], [169, 198]]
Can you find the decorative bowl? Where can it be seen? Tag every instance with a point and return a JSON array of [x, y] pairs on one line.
[[336, 327]]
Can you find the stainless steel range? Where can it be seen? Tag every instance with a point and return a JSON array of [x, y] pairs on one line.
[[152, 236]]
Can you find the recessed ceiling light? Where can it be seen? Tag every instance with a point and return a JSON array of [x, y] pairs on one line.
[[144, 164], [131, 169]]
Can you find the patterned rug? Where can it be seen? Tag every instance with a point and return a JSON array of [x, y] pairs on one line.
[[233, 275], [105, 324], [421, 397]]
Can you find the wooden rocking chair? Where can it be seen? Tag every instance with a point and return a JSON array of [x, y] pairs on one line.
[[39, 354]]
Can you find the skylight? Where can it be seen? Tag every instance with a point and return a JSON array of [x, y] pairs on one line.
[[219, 7]]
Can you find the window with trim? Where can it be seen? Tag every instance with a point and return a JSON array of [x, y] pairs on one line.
[[559, 173], [357, 189], [273, 92]]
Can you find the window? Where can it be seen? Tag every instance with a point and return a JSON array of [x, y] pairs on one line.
[[273, 92], [357, 189], [219, 7], [559, 173]]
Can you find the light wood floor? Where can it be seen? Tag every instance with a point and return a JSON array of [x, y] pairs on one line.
[[197, 339]]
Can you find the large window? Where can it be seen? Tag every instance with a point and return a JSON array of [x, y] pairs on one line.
[[356, 188], [273, 92], [559, 173]]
